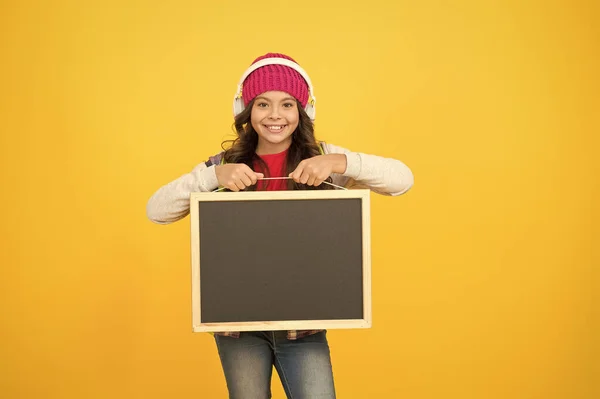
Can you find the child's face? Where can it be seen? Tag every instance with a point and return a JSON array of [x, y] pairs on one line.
[[274, 117]]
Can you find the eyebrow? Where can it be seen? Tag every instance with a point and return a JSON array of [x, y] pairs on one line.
[[284, 99]]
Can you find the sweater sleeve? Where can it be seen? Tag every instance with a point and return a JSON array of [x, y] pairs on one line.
[[385, 176], [172, 201]]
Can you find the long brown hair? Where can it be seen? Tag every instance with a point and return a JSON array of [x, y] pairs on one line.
[[242, 149]]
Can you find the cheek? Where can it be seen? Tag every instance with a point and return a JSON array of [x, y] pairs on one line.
[[294, 117], [255, 119], [255, 126]]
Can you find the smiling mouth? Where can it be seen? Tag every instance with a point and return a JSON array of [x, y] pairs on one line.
[[275, 128]]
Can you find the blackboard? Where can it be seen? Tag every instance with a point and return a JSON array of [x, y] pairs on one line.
[[280, 260]]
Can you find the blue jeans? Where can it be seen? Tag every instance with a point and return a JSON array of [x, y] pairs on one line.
[[303, 365]]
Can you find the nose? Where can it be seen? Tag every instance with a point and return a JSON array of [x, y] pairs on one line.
[[274, 113]]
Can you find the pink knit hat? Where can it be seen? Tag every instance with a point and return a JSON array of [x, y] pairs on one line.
[[275, 77]]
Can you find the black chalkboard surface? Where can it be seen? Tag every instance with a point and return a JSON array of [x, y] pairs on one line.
[[280, 260]]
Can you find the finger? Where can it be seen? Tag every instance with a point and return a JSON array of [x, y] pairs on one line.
[[254, 176], [247, 180], [243, 172], [321, 178], [231, 186], [295, 175], [311, 180], [304, 177], [238, 183], [240, 178], [318, 181]]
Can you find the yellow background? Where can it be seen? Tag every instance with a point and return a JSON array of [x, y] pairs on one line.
[[483, 277]]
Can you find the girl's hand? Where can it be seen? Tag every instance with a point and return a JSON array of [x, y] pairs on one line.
[[236, 176], [313, 171]]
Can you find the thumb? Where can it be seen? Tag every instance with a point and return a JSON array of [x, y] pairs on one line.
[[260, 175]]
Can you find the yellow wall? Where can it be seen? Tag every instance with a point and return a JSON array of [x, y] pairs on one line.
[[482, 274]]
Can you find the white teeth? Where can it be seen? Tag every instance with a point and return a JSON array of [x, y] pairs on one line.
[[275, 127]]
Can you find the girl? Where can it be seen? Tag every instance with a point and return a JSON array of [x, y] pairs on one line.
[[274, 112]]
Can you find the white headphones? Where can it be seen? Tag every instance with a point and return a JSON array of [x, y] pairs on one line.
[[238, 101]]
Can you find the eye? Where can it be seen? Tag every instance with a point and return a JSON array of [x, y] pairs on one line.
[[288, 105], [261, 104]]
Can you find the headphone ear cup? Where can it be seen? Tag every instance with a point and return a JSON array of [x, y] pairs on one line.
[[238, 106], [310, 111]]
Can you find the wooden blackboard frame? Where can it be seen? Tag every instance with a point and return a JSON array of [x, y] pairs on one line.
[[361, 194]]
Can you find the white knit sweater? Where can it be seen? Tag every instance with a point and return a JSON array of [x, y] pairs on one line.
[[385, 176]]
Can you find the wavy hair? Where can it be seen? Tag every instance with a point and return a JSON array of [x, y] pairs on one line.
[[242, 149]]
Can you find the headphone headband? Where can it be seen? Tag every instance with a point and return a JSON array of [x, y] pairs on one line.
[[238, 102]]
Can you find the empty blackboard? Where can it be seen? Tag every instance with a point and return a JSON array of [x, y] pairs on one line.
[[280, 260]]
